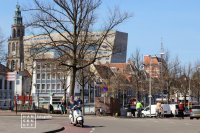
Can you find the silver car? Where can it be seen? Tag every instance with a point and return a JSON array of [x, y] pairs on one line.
[[195, 112]]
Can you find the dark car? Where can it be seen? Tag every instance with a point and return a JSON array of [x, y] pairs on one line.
[[195, 112]]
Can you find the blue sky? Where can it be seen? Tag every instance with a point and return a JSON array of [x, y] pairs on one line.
[[176, 21]]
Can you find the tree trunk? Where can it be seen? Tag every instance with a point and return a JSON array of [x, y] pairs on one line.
[[184, 100], [168, 93], [83, 90], [89, 90], [137, 92], [198, 98], [72, 81], [65, 103], [83, 99]]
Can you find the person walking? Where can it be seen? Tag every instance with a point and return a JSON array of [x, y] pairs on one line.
[[59, 108], [139, 107], [158, 109], [180, 110]]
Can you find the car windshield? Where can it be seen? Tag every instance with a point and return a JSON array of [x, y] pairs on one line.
[[195, 107]]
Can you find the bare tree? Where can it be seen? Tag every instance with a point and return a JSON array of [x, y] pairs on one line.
[[183, 81], [62, 73], [119, 83], [84, 76], [139, 75], [170, 70], [195, 82], [74, 22], [2, 49]]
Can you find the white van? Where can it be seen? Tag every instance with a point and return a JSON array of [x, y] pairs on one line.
[[174, 109], [146, 111], [166, 110]]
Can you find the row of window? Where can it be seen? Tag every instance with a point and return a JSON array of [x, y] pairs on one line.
[[48, 86], [5, 95], [46, 38], [45, 66], [49, 76], [5, 84]]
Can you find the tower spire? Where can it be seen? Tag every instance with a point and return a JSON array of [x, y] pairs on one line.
[[161, 48], [17, 17], [15, 43]]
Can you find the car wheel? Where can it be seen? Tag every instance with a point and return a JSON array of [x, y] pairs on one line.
[[197, 118], [142, 115], [191, 118]]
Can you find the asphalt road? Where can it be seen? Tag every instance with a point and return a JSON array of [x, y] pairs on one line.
[[12, 124], [147, 125]]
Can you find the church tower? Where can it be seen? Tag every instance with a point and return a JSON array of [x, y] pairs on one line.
[[15, 59]]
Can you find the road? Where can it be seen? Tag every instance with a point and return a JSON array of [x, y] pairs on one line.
[[11, 124], [147, 125]]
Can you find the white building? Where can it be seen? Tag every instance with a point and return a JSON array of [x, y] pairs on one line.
[[113, 49], [48, 83], [6, 89]]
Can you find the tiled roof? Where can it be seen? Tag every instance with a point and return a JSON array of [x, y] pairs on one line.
[[4, 69], [154, 60], [104, 71], [25, 73]]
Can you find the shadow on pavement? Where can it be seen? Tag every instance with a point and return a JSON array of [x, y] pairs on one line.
[[55, 131], [86, 126]]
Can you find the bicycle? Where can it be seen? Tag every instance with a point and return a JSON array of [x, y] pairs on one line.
[[100, 112]]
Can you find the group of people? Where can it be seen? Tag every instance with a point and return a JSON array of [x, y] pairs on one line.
[[62, 108], [70, 104], [138, 106], [160, 110], [73, 102]]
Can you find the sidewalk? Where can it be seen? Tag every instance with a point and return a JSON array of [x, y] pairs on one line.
[[45, 123], [13, 113]]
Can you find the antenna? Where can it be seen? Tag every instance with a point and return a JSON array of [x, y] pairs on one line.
[[161, 48]]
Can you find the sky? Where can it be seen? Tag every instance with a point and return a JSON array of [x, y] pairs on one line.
[[175, 22]]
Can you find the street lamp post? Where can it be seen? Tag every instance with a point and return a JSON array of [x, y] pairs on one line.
[[150, 86], [94, 93], [37, 94], [189, 94]]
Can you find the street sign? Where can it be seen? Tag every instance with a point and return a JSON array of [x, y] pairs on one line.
[[105, 89]]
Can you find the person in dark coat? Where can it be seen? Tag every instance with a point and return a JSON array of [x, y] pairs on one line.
[[180, 110]]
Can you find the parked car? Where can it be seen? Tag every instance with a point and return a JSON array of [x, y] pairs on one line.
[[186, 112], [195, 112]]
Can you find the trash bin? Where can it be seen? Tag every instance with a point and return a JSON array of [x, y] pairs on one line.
[[129, 114], [123, 112]]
